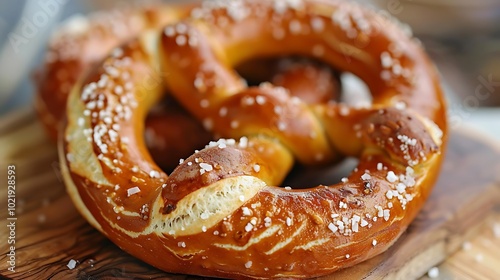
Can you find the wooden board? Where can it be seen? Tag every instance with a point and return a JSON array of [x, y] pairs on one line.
[[49, 231], [479, 257]]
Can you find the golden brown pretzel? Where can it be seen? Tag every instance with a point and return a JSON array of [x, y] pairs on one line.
[[219, 212]]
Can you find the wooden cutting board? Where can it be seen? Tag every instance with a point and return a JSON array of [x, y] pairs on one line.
[[49, 232]]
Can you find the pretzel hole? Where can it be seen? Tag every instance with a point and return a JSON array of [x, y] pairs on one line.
[[302, 177], [308, 79], [355, 92], [311, 80], [348, 88], [166, 145]]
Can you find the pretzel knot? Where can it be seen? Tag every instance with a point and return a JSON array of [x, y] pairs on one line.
[[220, 212]]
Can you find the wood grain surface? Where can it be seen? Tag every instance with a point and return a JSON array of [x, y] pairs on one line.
[[49, 231]]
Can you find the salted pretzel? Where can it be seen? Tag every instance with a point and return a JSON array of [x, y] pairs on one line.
[[83, 42], [220, 212]]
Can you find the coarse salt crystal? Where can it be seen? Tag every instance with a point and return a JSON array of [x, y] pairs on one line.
[[154, 174], [400, 105], [260, 100], [248, 227], [386, 60], [81, 121], [204, 216], [71, 264], [401, 187], [317, 24], [181, 40], [205, 167], [234, 124], [248, 101], [169, 31], [332, 227], [380, 166], [267, 221], [256, 168], [246, 211], [281, 126], [355, 226], [363, 223], [391, 177], [248, 264], [133, 191], [223, 111], [387, 214], [181, 28], [433, 273], [389, 194]]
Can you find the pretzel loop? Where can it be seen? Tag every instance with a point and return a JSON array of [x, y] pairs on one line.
[[219, 213]]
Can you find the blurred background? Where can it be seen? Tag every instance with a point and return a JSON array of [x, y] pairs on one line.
[[462, 36]]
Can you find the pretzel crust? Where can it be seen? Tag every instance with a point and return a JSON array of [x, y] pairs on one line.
[[219, 213]]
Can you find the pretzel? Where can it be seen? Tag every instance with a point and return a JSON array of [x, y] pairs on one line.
[[83, 42], [220, 212]]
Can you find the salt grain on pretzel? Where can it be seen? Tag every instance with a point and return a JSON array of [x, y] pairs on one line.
[[217, 214]]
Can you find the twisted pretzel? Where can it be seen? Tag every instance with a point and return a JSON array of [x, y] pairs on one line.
[[219, 212]]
